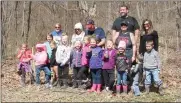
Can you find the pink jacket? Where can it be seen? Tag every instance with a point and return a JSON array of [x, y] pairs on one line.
[[40, 58], [85, 61]]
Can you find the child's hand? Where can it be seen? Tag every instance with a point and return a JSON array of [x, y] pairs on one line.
[[89, 49]]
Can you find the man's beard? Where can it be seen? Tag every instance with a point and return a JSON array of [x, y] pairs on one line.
[[123, 15]]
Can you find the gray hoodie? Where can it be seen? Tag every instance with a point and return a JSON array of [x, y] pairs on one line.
[[151, 60]]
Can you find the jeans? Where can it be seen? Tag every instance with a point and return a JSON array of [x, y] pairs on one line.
[[96, 76], [47, 73], [155, 74], [108, 77], [121, 77], [135, 84]]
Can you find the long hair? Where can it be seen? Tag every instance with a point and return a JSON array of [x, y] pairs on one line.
[[151, 26]]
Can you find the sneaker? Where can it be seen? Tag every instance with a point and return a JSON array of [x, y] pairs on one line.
[[47, 85], [107, 88]]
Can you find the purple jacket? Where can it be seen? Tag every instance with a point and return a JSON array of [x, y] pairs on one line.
[[75, 58], [95, 57], [109, 63]]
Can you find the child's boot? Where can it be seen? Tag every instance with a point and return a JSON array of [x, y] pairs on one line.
[[160, 90], [75, 84], [98, 88], [147, 87], [93, 88], [118, 89], [125, 89]]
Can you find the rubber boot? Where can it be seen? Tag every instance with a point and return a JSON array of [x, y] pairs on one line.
[[118, 90], [99, 88], [160, 90], [147, 88], [93, 88], [125, 89], [75, 85]]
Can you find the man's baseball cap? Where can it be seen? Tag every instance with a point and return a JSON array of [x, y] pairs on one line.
[[90, 21]]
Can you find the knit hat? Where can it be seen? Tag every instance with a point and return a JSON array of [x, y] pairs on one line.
[[122, 44], [41, 46], [78, 26]]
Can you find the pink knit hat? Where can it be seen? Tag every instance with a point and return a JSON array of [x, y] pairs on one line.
[[122, 44], [41, 46]]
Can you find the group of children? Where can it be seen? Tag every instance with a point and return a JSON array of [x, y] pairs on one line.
[[88, 61]]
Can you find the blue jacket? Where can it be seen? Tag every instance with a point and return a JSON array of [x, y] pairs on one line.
[[76, 58], [95, 57]]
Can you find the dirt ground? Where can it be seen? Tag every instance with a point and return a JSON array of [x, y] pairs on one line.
[[13, 92]]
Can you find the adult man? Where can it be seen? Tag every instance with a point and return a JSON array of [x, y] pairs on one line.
[[133, 25], [98, 32], [57, 33]]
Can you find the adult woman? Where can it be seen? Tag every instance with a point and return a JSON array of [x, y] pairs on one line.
[[79, 33], [128, 37], [147, 35]]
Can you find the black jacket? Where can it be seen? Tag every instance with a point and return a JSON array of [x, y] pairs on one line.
[[153, 36]]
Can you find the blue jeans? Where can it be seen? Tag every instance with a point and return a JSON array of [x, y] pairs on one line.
[[121, 77], [135, 84], [47, 73], [155, 74], [96, 76]]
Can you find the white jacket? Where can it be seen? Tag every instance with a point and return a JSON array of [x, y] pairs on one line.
[[63, 54]]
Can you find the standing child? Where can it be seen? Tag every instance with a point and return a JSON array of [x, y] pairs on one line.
[[62, 58], [41, 59], [53, 64], [75, 61], [85, 61], [95, 64], [151, 66], [24, 56], [109, 65], [47, 43], [122, 68]]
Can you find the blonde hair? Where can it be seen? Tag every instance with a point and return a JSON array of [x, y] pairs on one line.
[[87, 37], [53, 43]]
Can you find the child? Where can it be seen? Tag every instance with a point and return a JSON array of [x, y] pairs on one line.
[[122, 67], [53, 64], [47, 43], [109, 65], [41, 59], [75, 61], [137, 74], [24, 56], [151, 66], [62, 58], [95, 64], [85, 61]]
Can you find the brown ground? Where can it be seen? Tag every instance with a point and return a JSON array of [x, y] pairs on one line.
[[13, 92]]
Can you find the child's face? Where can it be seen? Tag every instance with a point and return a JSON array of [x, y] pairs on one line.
[[77, 44], [109, 44], [149, 47], [52, 46], [49, 38], [24, 47], [64, 40], [39, 49], [93, 42], [86, 41], [121, 50]]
